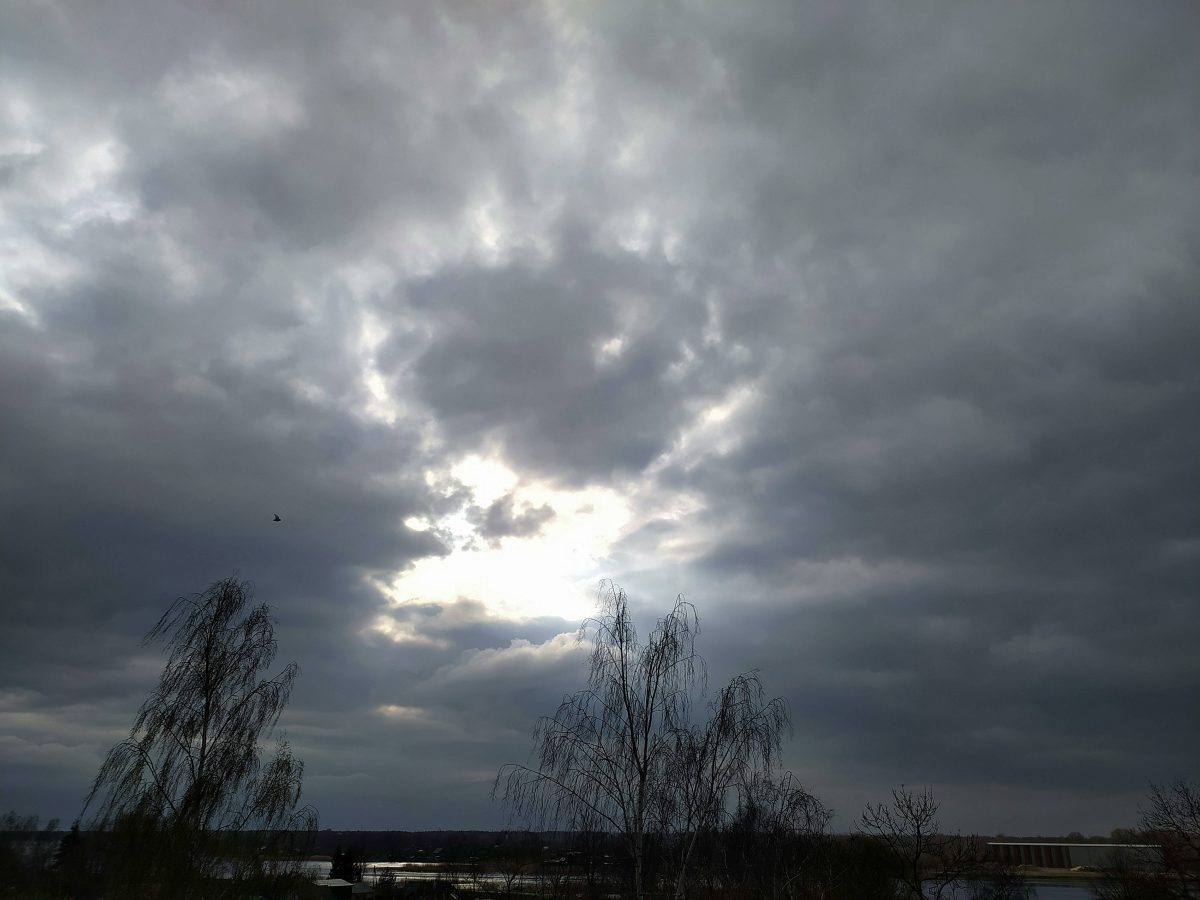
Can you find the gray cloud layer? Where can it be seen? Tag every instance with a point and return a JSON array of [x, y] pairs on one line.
[[901, 302]]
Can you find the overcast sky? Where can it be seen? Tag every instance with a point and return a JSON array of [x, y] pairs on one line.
[[872, 328]]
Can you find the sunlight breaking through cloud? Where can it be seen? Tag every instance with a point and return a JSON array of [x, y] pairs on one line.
[[551, 573]]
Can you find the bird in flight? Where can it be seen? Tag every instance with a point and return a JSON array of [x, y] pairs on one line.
[[277, 519]]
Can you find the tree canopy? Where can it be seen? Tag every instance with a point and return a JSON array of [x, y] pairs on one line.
[[191, 777], [627, 755]]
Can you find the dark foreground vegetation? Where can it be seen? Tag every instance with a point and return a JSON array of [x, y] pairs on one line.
[[41, 862], [641, 785]]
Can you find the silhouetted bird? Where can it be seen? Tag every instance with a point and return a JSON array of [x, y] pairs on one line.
[[277, 519]]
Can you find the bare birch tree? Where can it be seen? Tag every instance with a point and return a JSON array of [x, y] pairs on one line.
[[191, 776], [776, 835], [738, 743], [623, 754]]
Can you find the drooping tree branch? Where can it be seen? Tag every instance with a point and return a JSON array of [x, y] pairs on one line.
[[625, 753], [192, 769]]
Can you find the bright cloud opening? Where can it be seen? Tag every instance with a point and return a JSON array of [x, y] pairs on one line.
[[553, 572]]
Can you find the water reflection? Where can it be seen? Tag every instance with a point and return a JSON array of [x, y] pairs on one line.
[[1050, 889], [1059, 890], [1040, 889]]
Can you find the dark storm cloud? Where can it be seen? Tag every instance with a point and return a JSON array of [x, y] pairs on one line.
[[148, 470], [180, 385], [902, 302], [450, 693], [989, 386], [513, 358]]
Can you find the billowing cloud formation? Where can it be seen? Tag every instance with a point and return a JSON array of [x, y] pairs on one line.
[[501, 519], [872, 330]]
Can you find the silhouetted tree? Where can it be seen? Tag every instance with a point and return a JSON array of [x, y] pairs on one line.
[[188, 796], [349, 865], [76, 864], [776, 838], [732, 750], [624, 755], [26, 855], [1167, 866], [929, 863], [1172, 820], [337, 861], [1134, 875]]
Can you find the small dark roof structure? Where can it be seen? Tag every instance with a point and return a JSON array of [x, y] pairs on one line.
[[334, 888]]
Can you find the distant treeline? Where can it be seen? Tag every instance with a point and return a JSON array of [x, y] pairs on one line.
[[457, 846], [385, 846]]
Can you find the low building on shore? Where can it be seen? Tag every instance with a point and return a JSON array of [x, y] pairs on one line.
[[1051, 855], [334, 888]]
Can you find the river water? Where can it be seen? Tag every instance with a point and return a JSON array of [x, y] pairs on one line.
[[1041, 889], [1060, 890], [1051, 889]]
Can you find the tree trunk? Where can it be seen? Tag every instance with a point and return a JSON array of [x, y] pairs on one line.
[[638, 861], [681, 880]]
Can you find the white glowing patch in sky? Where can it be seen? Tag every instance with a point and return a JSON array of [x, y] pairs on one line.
[[92, 193], [380, 404], [69, 183], [393, 711], [484, 664], [10, 303], [77, 180], [608, 351], [68, 175], [404, 632], [489, 231], [552, 573], [714, 430], [488, 479]]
